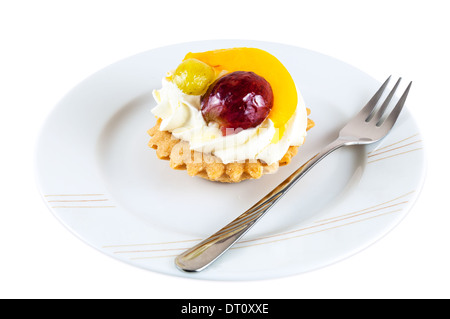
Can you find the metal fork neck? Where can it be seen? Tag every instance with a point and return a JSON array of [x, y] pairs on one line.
[[204, 253]]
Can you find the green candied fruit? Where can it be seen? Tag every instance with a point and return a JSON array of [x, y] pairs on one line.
[[193, 76]]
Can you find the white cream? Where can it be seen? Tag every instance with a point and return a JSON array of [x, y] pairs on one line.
[[181, 115]]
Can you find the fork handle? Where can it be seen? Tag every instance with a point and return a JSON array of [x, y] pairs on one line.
[[206, 252]]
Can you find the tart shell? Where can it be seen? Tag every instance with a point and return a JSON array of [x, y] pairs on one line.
[[208, 166]]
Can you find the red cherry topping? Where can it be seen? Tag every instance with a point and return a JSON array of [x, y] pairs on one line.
[[237, 101]]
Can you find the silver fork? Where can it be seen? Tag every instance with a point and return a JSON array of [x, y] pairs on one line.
[[368, 126]]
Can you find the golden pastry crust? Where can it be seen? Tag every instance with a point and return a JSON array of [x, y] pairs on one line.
[[208, 166]]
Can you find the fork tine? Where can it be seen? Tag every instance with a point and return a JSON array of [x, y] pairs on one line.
[[390, 120], [367, 110], [383, 107]]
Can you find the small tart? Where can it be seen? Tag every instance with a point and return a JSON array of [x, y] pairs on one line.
[[208, 166]]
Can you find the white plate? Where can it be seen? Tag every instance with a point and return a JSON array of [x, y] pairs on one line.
[[100, 179]]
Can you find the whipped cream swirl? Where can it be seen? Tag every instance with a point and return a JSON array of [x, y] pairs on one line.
[[181, 115]]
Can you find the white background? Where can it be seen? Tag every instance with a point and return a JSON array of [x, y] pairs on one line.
[[50, 46]]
